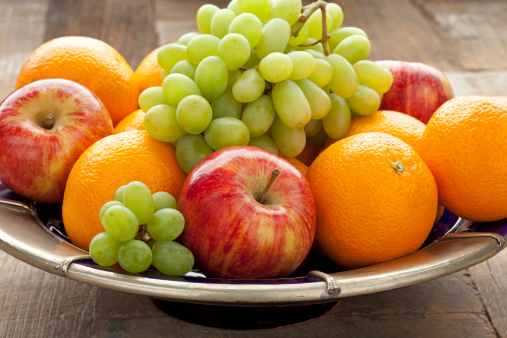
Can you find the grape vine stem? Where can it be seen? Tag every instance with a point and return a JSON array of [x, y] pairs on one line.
[[307, 11]]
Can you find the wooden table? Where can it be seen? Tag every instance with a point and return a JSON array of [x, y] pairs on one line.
[[466, 39]]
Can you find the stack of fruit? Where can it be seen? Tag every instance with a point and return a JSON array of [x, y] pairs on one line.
[[262, 75], [226, 111]]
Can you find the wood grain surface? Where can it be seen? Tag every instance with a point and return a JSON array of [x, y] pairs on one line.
[[466, 39]]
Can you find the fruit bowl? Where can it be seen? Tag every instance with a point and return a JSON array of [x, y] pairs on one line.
[[34, 234]]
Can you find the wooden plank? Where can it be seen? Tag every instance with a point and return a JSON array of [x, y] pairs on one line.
[[493, 82], [473, 31], [36, 303], [418, 40], [448, 306], [490, 277], [21, 31], [128, 26], [177, 17]]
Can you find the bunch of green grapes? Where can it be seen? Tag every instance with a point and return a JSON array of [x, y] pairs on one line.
[[262, 73], [140, 231]]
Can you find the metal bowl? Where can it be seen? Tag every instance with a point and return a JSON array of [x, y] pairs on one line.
[[33, 234]]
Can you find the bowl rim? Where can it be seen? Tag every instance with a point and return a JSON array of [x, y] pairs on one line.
[[31, 242]]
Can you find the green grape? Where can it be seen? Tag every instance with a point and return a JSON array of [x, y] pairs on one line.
[[118, 195], [275, 67], [316, 54], [337, 121], [291, 105], [264, 142], [137, 197], [274, 37], [313, 127], [289, 49], [151, 243], [178, 86], [204, 16], [288, 10], [135, 256], [314, 23], [249, 86], [364, 102], [170, 54], [234, 50], [194, 114], [233, 6], [344, 81], [290, 142], [253, 60], [163, 199], [232, 77], [172, 258], [301, 37], [190, 150], [108, 205], [164, 73], [303, 65], [247, 25], [221, 21], [339, 34], [322, 73], [258, 7], [318, 140], [336, 13], [104, 249], [184, 67], [166, 224], [201, 47], [317, 98], [151, 97], [226, 131], [120, 223], [259, 115], [185, 38], [226, 105], [161, 123], [374, 75], [354, 48], [211, 77]]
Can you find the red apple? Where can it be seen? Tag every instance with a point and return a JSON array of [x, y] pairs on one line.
[[418, 89], [232, 230], [44, 128]]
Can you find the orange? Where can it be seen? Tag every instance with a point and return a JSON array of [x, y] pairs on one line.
[[90, 62], [303, 168], [133, 121], [400, 125], [148, 72], [105, 166], [367, 211], [465, 146]]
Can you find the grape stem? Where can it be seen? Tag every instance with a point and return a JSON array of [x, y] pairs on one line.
[[307, 11], [274, 175]]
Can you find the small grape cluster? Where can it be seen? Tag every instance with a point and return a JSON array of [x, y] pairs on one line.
[[140, 231], [265, 73]]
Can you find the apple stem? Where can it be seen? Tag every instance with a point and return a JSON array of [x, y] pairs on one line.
[[49, 122], [398, 166], [274, 175]]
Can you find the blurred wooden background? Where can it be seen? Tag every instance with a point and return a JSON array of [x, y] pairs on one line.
[[466, 39]]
